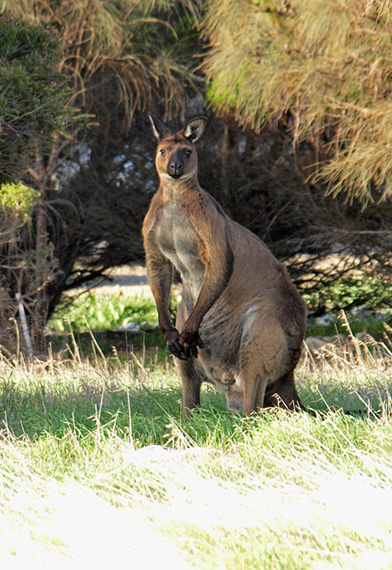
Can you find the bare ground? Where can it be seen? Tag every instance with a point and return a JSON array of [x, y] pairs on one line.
[[131, 279]]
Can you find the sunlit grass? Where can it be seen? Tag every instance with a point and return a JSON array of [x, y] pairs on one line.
[[117, 311], [97, 465], [103, 311]]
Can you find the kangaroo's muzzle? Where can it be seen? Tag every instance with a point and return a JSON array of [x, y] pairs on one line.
[[175, 168]]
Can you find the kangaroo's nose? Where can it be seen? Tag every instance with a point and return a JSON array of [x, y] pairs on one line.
[[175, 168]]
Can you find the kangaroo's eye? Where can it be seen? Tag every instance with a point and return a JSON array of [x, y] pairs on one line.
[[187, 153], [163, 152]]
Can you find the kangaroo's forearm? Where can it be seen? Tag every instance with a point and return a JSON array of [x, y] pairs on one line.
[[160, 275], [215, 281]]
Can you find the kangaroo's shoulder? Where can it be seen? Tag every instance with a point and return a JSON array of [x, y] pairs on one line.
[[203, 206], [156, 204]]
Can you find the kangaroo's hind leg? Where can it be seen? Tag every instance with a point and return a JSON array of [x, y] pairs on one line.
[[264, 359], [191, 375], [284, 394], [191, 384], [253, 394]]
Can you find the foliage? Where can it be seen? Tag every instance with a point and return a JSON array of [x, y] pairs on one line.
[[18, 200], [353, 291], [32, 107], [17, 203], [35, 112], [324, 66], [124, 51], [116, 320]]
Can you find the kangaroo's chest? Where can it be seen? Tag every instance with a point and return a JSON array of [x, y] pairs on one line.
[[180, 242]]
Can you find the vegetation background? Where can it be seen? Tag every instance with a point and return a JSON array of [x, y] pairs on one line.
[[95, 464], [296, 148]]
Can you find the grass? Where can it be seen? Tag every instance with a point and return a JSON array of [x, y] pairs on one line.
[[103, 311], [116, 316], [96, 466], [116, 319], [373, 325]]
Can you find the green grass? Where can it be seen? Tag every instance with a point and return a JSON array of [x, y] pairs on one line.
[[96, 466], [106, 314], [102, 312], [108, 317], [372, 325]]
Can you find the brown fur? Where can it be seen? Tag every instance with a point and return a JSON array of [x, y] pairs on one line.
[[241, 322]]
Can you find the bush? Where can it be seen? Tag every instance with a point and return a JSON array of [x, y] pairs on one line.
[[32, 107]]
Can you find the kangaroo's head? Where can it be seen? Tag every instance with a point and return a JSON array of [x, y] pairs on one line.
[[176, 156]]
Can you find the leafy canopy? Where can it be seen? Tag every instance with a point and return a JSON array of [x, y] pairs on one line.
[[120, 50], [32, 104], [327, 63]]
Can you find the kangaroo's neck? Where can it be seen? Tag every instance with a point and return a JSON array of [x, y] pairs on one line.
[[173, 189]]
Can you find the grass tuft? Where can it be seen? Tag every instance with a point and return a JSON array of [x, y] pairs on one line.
[[96, 464]]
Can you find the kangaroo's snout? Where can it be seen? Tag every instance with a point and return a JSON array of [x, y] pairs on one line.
[[175, 167]]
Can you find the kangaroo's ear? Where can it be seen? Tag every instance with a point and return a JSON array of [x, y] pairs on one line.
[[159, 129], [195, 128]]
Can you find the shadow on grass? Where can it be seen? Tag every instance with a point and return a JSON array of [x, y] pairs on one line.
[[144, 415], [123, 341]]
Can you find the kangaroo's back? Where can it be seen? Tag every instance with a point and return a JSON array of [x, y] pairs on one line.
[[241, 321]]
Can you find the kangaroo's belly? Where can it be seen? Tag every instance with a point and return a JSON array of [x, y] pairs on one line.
[[221, 331], [180, 243]]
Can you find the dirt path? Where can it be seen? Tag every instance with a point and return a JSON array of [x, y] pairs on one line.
[[131, 279]]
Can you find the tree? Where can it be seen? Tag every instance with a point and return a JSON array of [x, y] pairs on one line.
[[32, 106], [313, 79], [116, 58], [123, 52], [34, 113], [323, 66]]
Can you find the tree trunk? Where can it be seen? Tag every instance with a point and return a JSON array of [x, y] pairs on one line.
[[40, 307]]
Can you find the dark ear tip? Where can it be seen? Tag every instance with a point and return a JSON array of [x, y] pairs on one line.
[[159, 128]]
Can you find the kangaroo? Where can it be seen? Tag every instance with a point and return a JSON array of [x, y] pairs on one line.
[[241, 322]]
